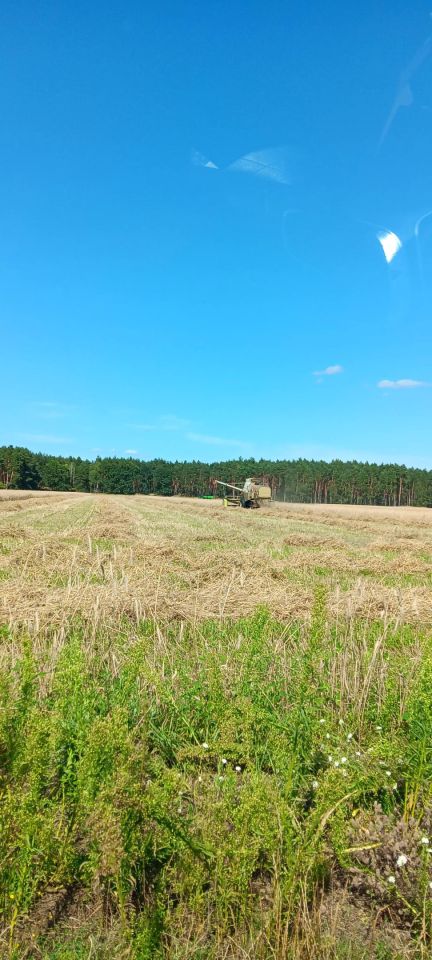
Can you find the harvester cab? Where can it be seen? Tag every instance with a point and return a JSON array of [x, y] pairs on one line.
[[251, 495]]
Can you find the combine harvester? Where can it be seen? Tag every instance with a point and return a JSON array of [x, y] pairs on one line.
[[251, 495]]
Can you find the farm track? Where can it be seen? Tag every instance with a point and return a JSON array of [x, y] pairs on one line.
[[98, 556]]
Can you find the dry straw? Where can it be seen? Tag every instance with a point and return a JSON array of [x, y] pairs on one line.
[[97, 557]]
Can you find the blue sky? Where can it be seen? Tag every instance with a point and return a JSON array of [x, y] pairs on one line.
[[215, 234]]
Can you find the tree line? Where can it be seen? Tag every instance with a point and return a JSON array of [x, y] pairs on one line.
[[302, 481]]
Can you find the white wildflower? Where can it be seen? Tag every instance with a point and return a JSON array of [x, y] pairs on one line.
[[224, 761], [330, 759], [205, 746], [358, 754], [394, 786], [315, 784], [238, 769], [430, 884], [221, 778], [322, 720], [343, 759], [391, 879], [388, 773], [425, 840], [336, 763], [327, 736], [378, 727], [401, 860], [199, 779], [349, 736], [341, 723]]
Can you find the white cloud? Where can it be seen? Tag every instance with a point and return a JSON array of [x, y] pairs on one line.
[[131, 452], [329, 371], [44, 438], [390, 243], [49, 410], [404, 95], [142, 426], [165, 422], [215, 441], [199, 160], [401, 384], [272, 163], [171, 422]]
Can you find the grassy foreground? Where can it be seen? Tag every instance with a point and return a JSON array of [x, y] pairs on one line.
[[245, 789]]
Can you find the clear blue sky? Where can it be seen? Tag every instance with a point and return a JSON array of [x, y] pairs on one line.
[[192, 197]]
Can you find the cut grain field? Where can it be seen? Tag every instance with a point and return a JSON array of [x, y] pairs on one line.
[[215, 730], [63, 554]]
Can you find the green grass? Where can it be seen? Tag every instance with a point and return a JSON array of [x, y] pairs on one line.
[[167, 791]]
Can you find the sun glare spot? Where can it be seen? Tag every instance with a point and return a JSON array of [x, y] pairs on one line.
[[390, 244]]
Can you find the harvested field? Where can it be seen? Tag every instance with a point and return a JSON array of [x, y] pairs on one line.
[[63, 555], [215, 730]]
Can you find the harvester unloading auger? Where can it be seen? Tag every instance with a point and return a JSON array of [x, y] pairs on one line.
[[251, 495]]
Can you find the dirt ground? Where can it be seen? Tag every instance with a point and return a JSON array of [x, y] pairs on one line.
[[65, 554]]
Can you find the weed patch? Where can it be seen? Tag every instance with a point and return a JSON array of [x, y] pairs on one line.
[[212, 784]]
